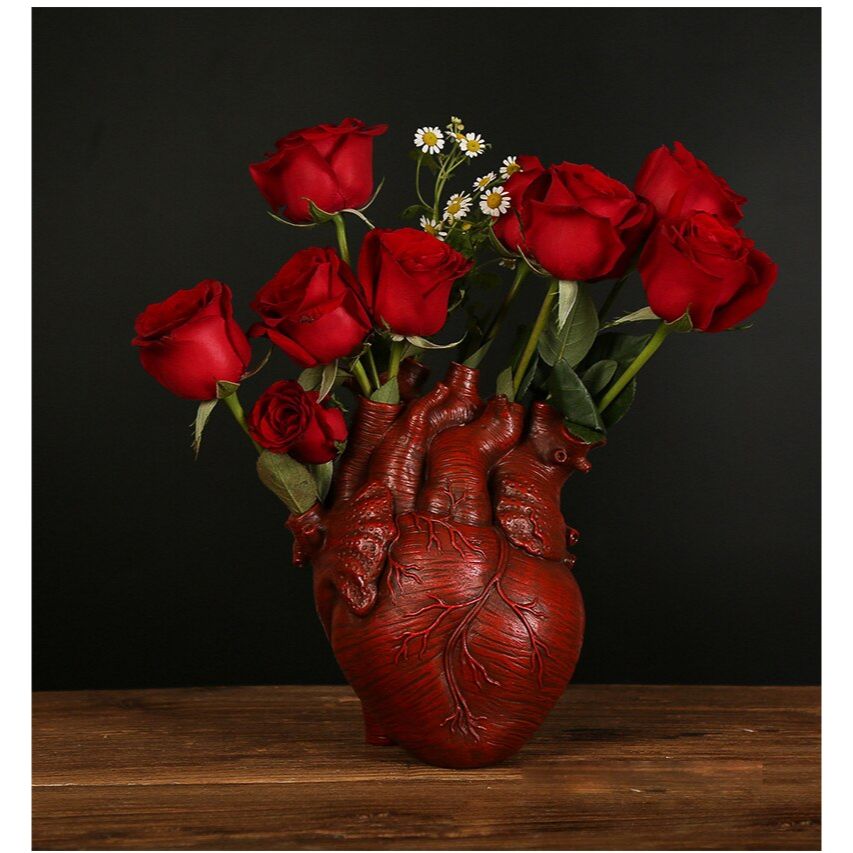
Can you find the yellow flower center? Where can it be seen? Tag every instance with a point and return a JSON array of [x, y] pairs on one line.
[[493, 201], [430, 139], [431, 229], [512, 168], [472, 145], [454, 207]]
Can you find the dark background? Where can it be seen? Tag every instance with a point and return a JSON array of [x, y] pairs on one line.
[[699, 558]]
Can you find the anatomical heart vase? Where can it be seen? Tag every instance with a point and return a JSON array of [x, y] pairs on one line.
[[442, 573], [432, 522]]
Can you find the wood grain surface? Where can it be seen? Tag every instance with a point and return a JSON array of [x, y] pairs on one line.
[[614, 767]]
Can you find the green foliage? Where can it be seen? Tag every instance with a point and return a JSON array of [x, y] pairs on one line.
[[619, 349], [289, 480], [618, 408], [323, 477], [427, 160], [572, 399], [533, 377], [567, 294], [226, 389], [504, 384], [639, 316], [387, 393], [598, 376], [205, 409], [569, 343], [415, 211]]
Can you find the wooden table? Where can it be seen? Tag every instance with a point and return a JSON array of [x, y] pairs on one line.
[[614, 767]]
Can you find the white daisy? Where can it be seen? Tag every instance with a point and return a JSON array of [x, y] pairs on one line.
[[495, 201], [484, 181], [457, 206], [510, 167], [429, 139], [433, 227], [472, 144]]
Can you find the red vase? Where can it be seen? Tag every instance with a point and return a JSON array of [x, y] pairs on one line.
[[442, 573]]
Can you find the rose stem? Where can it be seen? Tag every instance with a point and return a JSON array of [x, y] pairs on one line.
[[361, 377], [634, 367], [394, 362], [233, 403], [494, 327], [371, 363], [341, 232], [535, 332], [418, 181], [611, 297]]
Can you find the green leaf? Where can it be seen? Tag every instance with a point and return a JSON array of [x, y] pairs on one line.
[[590, 436], [598, 376], [570, 342], [682, 324], [428, 161], [292, 482], [323, 476], [423, 343], [504, 384], [327, 380], [496, 244], [477, 356], [527, 380], [567, 294], [387, 393], [311, 377], [572, 400], [637, 316], [619, 407], [204, 410], [317, 213], [413, 211], [291, 224], [225, 389], [261, 365], [617, 346]]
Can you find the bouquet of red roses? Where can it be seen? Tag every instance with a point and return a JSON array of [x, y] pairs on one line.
[[433, 524]]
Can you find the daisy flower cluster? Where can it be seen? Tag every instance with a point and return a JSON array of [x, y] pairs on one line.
[[444, 151]]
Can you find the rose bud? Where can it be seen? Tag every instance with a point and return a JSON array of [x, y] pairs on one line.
[[288, 419], [331, 165], [191, 341], [678, 183], [406, 276], [312, 309], [575, 221], [703, 265]]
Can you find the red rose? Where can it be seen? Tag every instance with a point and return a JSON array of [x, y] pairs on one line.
[[703, 265], [332, 166], [288, 419], [678, 183], [191, 341], [507, 228], [406, 276], [312, 309], [576, 222]]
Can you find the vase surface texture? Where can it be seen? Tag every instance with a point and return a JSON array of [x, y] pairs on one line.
[[442, 571]]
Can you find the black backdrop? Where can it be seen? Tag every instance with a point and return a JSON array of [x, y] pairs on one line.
[[699, 557]]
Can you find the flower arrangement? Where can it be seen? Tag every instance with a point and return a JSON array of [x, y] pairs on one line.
[[353, 325], [433, 524]]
